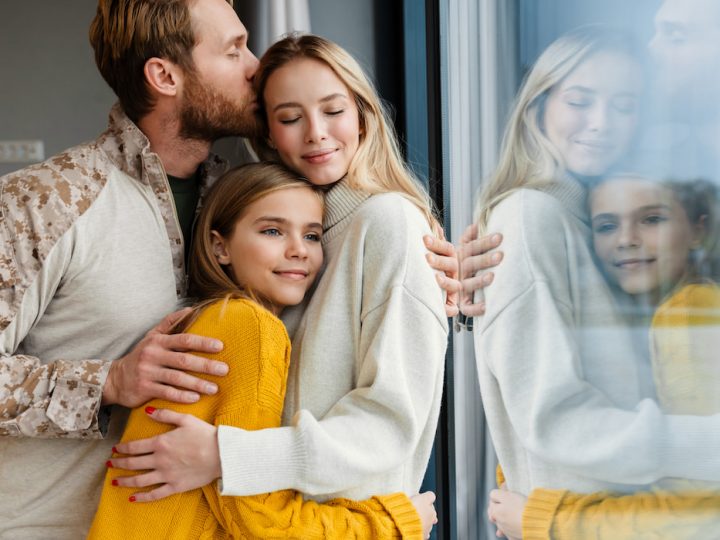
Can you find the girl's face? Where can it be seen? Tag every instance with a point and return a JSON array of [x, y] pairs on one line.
[[642, 235], [591, 116], [313, 120], [274, 249]]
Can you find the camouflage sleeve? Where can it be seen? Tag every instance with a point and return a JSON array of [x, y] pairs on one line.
[[59, 399]]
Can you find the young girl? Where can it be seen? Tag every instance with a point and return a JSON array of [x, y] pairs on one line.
[[256, 250], [366, 375], [651, 239]]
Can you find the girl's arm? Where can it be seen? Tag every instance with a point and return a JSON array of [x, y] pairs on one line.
[[251, 397], [562, 515]]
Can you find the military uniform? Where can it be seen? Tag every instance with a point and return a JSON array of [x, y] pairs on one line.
[[91, 257]]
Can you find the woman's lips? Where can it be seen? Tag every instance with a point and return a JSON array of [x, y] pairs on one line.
[[319, 156]]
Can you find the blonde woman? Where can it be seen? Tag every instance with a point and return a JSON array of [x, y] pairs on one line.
[[366, 375], [568, 400]]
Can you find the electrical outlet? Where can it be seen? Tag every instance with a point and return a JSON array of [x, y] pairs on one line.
[[21, 151]]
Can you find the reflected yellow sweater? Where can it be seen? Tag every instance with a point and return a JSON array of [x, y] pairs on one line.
[[684, 341], [257, 349]]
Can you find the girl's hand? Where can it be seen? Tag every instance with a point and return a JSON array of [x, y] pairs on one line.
[[180, 460], [505, 510], [426, 510]]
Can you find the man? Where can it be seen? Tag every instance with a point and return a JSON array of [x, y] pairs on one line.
[[93, 255]]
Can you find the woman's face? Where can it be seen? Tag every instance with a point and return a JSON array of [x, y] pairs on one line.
[[592, 114], [275, 248], [641, 234], [313, 120]]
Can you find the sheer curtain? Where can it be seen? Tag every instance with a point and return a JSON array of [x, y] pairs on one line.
[[482, 73]]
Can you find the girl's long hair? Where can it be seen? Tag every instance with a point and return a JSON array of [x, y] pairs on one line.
[[226, 203], [527, 157], [378, 166]]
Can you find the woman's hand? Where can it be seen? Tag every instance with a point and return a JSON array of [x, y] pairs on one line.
[[426, 510], [185, 458], [505, 510]]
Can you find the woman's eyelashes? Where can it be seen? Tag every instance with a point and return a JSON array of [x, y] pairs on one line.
[[291, 120]]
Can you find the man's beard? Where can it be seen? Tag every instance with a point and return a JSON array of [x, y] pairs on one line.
[[208, 115]]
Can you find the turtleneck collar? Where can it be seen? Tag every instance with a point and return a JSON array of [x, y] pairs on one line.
[[341, 201]]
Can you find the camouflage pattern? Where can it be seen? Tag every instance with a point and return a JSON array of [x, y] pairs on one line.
[[38, 205]]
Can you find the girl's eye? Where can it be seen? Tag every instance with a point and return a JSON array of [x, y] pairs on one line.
[[654, 219], [270, 232], [604, 228], [313, 237]]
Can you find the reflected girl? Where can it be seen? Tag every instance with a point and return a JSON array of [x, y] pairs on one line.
[[568, 401]]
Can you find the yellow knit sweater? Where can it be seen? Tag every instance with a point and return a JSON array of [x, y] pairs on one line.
[[257, 349], [686, 368]]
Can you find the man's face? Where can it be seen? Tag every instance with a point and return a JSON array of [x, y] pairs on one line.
[[217, 96], [686, 51]]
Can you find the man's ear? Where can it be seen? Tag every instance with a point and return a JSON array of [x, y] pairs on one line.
[[163, 76], [219, 246]]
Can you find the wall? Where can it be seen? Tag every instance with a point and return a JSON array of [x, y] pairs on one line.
[[50, 88]]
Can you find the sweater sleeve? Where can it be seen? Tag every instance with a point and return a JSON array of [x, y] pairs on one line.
[[562, 515], [250, 397], [377, 426]]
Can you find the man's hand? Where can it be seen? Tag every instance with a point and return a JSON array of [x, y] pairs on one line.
[[476, 254], [444, 261], [157, 368], [185, 458], [425, 508]]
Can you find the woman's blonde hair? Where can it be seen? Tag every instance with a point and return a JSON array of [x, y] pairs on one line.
[[226, 202], [527, 157], [377, 166]]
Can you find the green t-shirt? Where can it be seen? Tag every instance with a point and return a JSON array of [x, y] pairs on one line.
[[186, 193]]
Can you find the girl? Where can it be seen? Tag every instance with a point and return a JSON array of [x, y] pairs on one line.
[[567, 399], [257, 250], [651, 239], [366, 375]]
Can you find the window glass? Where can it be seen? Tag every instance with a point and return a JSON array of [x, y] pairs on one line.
[[586, 133]]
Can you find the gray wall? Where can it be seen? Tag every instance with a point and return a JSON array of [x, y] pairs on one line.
[[50, 88]]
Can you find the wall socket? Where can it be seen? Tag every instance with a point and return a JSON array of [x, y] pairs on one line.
[[21, 151]]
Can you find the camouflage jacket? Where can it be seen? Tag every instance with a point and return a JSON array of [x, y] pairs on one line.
[[91, 257]]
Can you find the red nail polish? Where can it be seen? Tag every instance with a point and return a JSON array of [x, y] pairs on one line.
[[132, 498], [150, 410], [108, 464], [114, 482], [114, 450]]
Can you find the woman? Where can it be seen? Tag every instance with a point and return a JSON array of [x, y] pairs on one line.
[[568, 401], [366, 375]]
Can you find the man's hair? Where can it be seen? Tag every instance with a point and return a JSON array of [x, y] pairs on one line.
[[125, 34]]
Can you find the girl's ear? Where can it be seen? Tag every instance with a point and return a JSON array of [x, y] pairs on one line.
[[219, 246]]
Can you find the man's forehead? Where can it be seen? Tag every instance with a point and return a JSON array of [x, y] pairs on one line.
[[689, 14], [216, 20]]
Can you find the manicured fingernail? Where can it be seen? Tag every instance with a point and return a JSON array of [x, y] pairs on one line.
[[114, 450], [114, 482], [132, 498], [109, 464], [150, 410], [220, 369], [496, 257], [216, 345], [211, 388]]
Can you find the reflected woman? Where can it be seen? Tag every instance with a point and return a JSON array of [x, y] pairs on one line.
[[569, 402]]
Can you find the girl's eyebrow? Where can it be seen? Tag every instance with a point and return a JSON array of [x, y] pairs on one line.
[[282, 221], [295, 105]]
